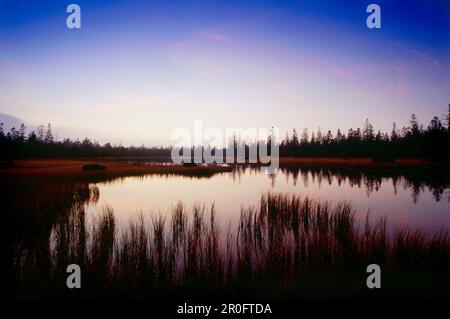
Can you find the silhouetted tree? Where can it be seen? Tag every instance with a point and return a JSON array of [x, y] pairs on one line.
[[413, 141], [32, 138], [295, 141], [286, 140], [328, 139], [304, 137], [48, 135], [394, 133], [432, 142], [319, 136], [313, 139], [339, 136], [368, 131], [414, 125], [41, 133], [448, 119], [22, 132]]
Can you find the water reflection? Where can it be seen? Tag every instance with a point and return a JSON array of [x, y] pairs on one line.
[[33, 210], [417, 180], [274, 244]]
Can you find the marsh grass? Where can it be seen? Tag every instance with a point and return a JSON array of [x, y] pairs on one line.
[[289, 246]]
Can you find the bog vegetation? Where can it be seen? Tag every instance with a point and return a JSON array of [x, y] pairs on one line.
[[287, 246]]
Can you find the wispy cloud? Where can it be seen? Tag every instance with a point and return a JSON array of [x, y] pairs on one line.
[[328, 65], [424, 56], [212, 36]]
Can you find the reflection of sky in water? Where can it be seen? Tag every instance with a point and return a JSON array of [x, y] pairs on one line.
[[230, 192]]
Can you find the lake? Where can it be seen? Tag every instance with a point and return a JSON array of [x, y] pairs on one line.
[[406, 199], [271, 235]]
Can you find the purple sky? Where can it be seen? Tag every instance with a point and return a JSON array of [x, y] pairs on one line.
[[136, 70]]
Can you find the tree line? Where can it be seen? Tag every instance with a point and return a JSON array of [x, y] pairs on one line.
[[17, 143], [415, 140]]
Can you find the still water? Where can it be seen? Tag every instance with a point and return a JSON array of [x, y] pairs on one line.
[[405, 198]]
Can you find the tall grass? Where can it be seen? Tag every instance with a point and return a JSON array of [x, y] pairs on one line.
[[287, 247]]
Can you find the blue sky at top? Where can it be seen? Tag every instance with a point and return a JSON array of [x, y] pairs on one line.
[[138, 69]]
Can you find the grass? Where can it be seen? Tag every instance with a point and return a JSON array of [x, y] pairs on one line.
[[287, 247], [123, 166], [84, 170]]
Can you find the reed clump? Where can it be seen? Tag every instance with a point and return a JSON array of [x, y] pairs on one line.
[[288, 246]]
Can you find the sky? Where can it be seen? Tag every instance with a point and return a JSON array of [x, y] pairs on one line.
[[137, 70]]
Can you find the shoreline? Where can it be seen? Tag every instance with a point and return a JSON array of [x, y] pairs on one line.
[[357, 162], [67, 167], [155, 165], [150, 164]]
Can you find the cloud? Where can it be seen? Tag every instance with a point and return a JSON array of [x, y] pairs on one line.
[[424, 56], [212, 36], [328, 65]]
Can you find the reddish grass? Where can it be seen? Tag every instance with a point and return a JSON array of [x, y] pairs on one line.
[[114, 167]]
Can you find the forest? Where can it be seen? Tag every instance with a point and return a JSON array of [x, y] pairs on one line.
[[414, 141]]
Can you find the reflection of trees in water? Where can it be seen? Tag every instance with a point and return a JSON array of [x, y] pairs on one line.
[[417, 180], [286, 243], [38, 214], [45, 218], [68, 234]]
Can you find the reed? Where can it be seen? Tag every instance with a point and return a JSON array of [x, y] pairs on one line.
[[287, 247]]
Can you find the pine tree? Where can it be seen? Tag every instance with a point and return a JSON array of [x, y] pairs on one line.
[[287, 140], [22, 132], [41, 133], [378, 137], [32, 138], [48, 135], [328, 138], [295, 140], [13, 134], [368, 131], [448, 119], [414, 125], [358, 136], [319, 138], [304, 137], [339, 136], [313, 138], [394, 133], [436, 125], [351, 134]]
